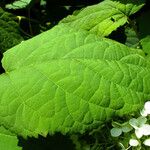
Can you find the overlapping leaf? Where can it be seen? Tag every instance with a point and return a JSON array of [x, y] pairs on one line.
[[18, 4], [69, 81], [104, 17], [132, 39]]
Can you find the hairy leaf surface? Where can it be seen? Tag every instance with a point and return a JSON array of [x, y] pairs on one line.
[[69, 81], [104, 17]]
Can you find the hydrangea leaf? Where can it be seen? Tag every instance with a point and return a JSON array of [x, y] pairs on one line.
[[145, 42], [6, 131], [8, 141], [132, 39], [105, 17], [9, 31], [18, 4], [69, 81]]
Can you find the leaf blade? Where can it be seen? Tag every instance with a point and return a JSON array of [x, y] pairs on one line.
[[70, 86], [103, 18]]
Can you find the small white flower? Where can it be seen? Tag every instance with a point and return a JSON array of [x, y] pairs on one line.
[[115, 132], [147, 107], [119, 128], [143, 113], [136, 123], [146, 110], [145, 129], [140, 127], [138, 133], [147, 142], [134, 142]]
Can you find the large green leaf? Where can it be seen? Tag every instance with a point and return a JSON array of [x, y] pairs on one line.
[[104, 17], [69, 81]]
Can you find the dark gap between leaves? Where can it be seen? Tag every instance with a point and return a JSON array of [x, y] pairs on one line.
[[55, 142]]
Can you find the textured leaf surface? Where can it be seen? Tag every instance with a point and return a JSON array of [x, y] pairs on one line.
[[9, 31], [7, 140], [104, 17], [18, 4], [145, 42], [131, 38], [69, 81]]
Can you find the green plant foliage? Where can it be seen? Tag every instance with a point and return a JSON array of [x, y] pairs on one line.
[[132, 39], [70, 79], [18, 4], [145, 42], [104, 17], [9, 31], [70, 86], [8, 141]]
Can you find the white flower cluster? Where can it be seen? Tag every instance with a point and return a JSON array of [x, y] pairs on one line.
[[140, 126]]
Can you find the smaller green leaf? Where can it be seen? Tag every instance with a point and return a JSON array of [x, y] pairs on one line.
[[116, 124], [103, 18], [131, 38], [43, 2], [18, 4], [145, 42]]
